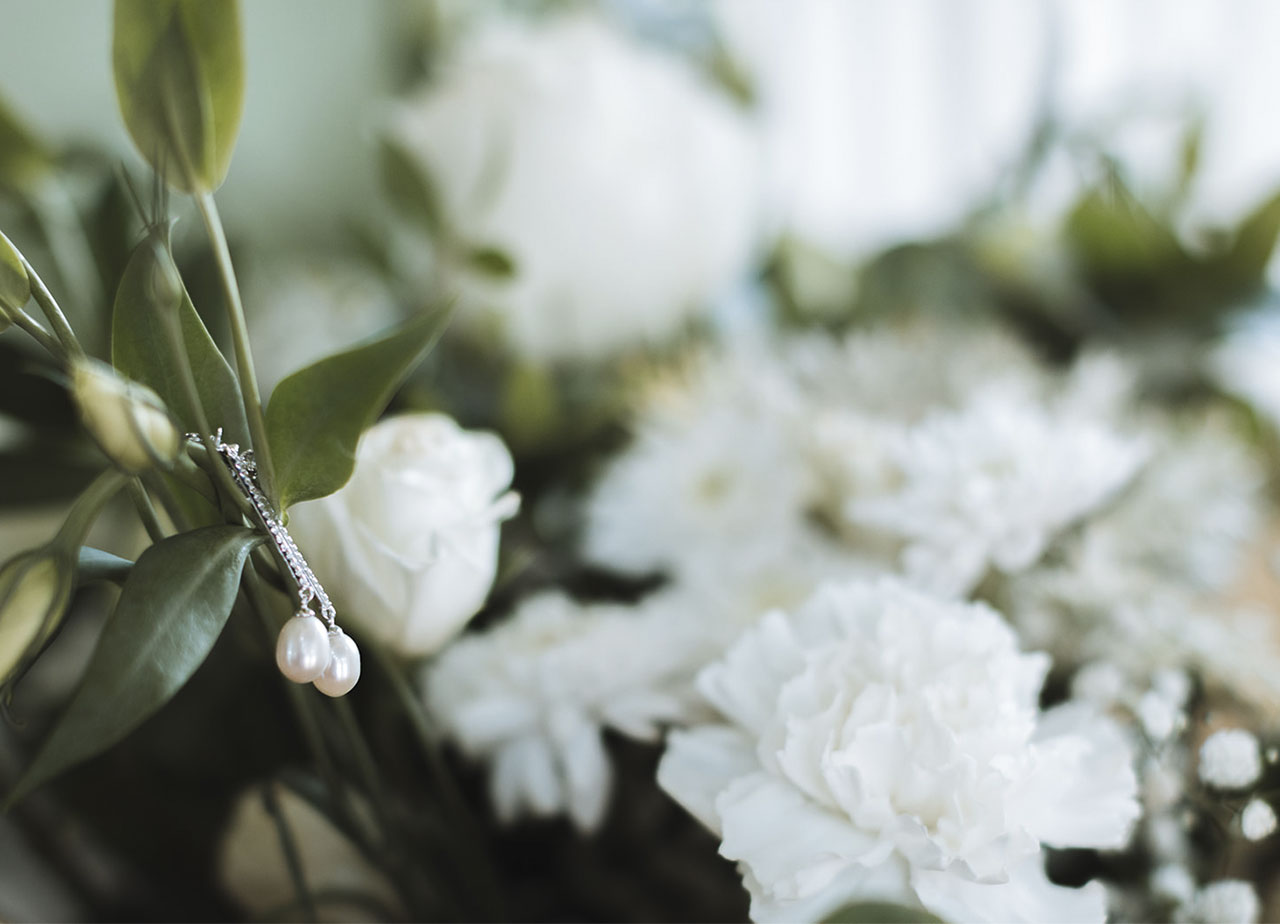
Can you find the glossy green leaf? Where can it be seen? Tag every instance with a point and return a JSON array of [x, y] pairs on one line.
[[880, 913], [24, 159], [410, 188], [179, 72], [316, 415], [97, 565], [150, 293], [15, 286], [171, 611]]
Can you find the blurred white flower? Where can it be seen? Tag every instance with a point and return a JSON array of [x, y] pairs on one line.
[[622, 185], [253, 870], [1247, 363], [1227, 901], [992, 484], [1173, 882], [408, 547], [885, 744], [1230, 759], [1257, 820], [302, 312], [533, 695], [715, 460]]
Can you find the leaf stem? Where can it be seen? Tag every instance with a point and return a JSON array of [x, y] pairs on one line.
[[146, 510], [87, 507], [41, 336], [240, 342], [292, 859], [49, 305]]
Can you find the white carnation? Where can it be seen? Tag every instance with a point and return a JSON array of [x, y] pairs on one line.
[[1230, 759], [992, 484], [408, 547], [622, 185], [533, 695], [882, 743]]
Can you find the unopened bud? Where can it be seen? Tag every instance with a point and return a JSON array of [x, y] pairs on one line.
[[15, 285], [129, 421], [34, 590]]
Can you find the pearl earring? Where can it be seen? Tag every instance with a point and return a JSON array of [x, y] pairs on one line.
[[309, 649]]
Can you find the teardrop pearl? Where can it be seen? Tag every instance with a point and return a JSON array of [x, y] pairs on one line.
[[302, 649], [344, 666]]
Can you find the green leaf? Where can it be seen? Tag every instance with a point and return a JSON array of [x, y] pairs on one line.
[[410, 188], [97, 565], [169, 615], [1255, 240], [150, 291], [179, 72], [880, 913], [490, 261], [316, 415], [24, 159], [15, 286]]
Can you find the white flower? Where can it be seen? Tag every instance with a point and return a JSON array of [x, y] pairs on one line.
[[714, 478], [1247, 363], [1257, 820], [1229, 759], [1173, 882], [1227, 901], [621, 184], [409, 546], [253, 870], [533, 694], [992, 484], [299, 313], [885, 744]]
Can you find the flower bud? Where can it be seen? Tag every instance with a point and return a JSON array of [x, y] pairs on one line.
[[129, 421], [34, 590], [15, 286]]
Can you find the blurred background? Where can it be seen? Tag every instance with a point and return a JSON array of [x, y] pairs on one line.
[[1093, 168]]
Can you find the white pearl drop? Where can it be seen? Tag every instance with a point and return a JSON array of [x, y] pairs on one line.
[[344, 666], [302, 649]]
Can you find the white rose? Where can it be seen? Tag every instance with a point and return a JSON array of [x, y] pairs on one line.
[[882, 744], [621, 183], [408, 547]]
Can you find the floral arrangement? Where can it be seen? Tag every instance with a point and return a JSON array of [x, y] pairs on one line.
[[585, 543]]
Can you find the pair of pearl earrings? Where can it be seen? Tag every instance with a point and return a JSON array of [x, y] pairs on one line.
[[310, 648]]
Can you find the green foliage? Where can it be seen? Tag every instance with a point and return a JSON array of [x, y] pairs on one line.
[[35, 588], [15, 286], [491, 262], [179, 72], [880, 913], [172, 609], [316, 415], [409, 187], [24, 160], [150, 297], [97, 565]]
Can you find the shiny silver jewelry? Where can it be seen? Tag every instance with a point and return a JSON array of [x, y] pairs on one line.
[[309, 649]]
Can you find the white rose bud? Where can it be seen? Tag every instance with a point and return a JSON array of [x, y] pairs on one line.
[[409, 546], [34, 590], [129, 421]]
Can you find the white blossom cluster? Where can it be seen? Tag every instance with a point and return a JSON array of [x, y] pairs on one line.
[[821, 510]]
